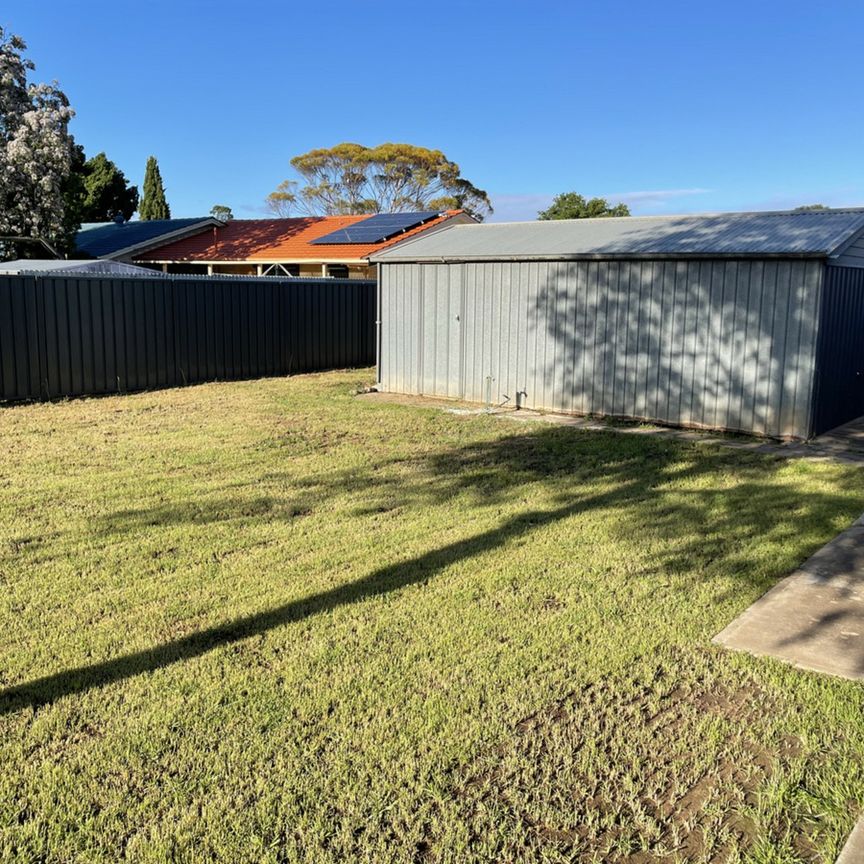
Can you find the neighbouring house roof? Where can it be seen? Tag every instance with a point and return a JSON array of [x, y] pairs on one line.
[[60, 267], [113, 240], [282, 240], [815, 233]]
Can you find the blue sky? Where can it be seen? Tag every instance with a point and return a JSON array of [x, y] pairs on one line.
[[670, 106]]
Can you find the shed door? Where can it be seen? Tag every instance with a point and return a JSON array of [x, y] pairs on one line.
[[441, 331]]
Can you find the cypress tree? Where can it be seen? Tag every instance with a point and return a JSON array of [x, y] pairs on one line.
[[153, 204]]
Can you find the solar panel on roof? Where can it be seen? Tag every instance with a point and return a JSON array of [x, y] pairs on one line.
[[104, 238], [377, 228]]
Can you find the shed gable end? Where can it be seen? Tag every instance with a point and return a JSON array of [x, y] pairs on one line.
[[852, 254]]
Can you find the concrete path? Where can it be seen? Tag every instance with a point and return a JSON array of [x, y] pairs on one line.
[[853, 851], [814, 618], [846, 440]]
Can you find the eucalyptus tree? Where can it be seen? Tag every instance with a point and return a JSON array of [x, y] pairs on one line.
[[390, 178]]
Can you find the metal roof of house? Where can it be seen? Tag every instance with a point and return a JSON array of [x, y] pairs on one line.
[[816, 233], [107, 239], [60, 267]]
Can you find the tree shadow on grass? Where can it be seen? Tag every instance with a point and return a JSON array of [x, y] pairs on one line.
[[622, 472], [381, 581]]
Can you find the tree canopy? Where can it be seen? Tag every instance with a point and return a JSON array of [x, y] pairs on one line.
[[572, 205], [390, 178], [36, 151], [221, 211], [804, 208], [106, 191], [283, 200], [74, 195], [154, 204]]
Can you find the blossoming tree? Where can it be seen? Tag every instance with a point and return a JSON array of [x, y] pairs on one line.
[[36, 150]]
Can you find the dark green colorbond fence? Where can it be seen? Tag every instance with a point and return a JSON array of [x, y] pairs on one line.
[[75, 336]]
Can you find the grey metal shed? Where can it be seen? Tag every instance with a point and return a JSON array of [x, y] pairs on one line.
[[752, 322]]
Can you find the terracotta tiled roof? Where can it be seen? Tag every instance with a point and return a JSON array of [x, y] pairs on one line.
[[277, 240]]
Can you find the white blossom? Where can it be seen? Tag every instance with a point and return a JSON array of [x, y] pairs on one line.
[[35, 147]]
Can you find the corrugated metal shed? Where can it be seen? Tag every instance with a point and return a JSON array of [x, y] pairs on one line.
[[788, 233], [719, 322], [710, 343]]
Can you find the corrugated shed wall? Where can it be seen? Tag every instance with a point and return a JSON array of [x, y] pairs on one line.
[[72, 336], [840, 359], [718, 343]]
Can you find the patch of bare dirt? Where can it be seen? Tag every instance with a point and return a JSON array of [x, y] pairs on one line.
[[669, 775]]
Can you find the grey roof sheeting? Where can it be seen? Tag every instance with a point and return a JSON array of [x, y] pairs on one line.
[[814, 233], [110, 238], [60, 267]]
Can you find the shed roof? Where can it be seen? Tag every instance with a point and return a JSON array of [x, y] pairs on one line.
[[63, 267], [814, 233], [269, 240], [107, 239]]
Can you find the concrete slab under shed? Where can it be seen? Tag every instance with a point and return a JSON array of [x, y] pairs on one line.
[[814, 618]]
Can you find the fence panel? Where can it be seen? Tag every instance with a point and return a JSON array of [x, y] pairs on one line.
[[76, 336]]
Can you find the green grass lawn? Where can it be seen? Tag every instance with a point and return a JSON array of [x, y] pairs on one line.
[[270, 621]]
